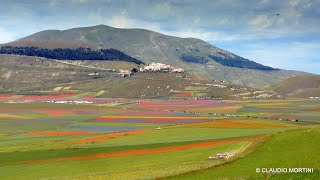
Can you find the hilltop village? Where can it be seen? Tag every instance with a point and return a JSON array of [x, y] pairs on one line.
[[153, 67]]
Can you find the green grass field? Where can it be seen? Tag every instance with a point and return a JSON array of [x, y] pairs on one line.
[[293, 149]]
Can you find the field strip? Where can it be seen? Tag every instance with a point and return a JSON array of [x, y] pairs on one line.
[[14, 116], [151, 117], [106, 137], [59, 133], [230, 123], [142, 151]]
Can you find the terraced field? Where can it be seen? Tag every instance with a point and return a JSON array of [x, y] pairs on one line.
[[118, 138]]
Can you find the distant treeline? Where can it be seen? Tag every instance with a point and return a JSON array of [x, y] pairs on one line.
[[240, 62], [235, 61], [194, 59], [70, 54]]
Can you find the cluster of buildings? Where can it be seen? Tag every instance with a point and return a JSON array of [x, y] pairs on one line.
[[211, 85], [69, 102], [93, 74], [153, 67], [160, 67]]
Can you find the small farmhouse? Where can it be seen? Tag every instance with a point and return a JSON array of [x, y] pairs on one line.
[[125, 73]]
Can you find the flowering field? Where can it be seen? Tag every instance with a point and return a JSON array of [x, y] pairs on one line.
[[120, 138], [35, 97]]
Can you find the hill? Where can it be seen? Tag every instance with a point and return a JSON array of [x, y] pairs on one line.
[[300, 86], [35, 75], [190, 54]]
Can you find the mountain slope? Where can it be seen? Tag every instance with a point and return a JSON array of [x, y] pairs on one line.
[[300, 86], [34, 75], [191, 54]]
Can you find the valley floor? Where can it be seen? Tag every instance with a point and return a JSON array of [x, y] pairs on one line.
[[118, 138]]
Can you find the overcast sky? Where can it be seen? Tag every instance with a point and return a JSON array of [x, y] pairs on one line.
[[249, 28]]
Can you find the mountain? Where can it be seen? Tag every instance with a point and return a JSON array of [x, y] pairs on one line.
[[191, 54], [300, 86]]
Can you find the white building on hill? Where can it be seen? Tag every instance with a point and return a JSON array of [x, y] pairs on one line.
[[124, 73]]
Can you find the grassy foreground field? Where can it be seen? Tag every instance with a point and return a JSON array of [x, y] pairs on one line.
[[293, 149], [154, 138]]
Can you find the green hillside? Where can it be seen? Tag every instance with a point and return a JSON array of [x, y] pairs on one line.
[[33, 75], [190, 54], [23, 73], [301, 86]]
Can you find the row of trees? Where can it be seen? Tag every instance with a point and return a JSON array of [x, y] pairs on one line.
[[70, 54], [194, 59], [240, 62]]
